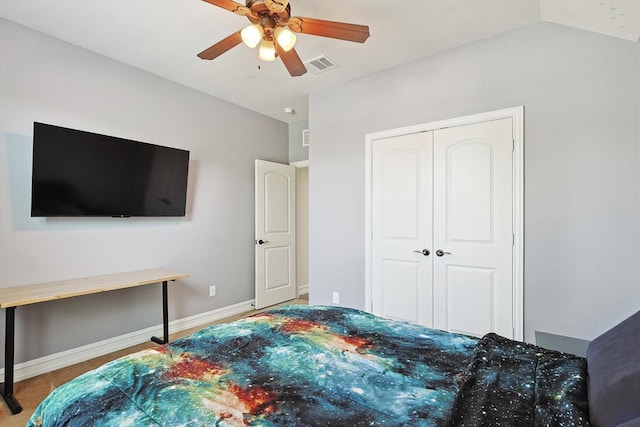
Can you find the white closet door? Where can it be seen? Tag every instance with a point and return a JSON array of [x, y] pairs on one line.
[[473, 228], [401, 228]]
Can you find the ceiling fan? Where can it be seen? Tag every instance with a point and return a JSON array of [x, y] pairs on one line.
[[273, 28]]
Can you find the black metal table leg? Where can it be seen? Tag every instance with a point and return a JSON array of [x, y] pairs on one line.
[[165, 316], [6, 388]]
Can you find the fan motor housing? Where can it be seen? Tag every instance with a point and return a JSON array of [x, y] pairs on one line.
[[260, 9]]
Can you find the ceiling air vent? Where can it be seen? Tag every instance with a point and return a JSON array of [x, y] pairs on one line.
[[320, 64]]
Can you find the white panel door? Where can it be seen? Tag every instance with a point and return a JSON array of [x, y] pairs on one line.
[[401, 228], [275, 233], [449, 192], [473, 228]]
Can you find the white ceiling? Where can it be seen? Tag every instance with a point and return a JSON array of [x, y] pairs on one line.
[[164, 36]]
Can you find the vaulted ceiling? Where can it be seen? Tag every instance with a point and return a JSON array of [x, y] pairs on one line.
[[163, 37]]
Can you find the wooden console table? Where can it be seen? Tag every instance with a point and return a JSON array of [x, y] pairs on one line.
[[10, 298]]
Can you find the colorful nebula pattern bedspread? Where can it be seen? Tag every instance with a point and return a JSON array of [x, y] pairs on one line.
[[325, 366]]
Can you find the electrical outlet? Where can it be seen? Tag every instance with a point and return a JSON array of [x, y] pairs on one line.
[[336, 297], [212, 290]]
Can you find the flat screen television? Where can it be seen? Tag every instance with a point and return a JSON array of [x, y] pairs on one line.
[[82, 174]]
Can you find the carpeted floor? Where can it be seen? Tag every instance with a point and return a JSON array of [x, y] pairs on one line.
[[32, 391]]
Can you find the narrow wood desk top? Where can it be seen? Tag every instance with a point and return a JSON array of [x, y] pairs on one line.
[[31, 294]]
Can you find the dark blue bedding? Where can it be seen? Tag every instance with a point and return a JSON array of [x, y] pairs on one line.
[[325, 366]]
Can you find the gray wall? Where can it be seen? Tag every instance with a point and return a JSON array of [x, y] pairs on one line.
[[296, 151], [302, 227], [44, 79], [580, 91]]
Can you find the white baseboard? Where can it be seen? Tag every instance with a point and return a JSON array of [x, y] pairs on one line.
[[303, 289], [49, 363]]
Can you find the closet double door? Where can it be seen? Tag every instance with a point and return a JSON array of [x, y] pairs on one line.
[[442, 228]]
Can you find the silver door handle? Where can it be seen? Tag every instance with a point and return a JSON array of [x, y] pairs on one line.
[[440, 252], [262, 242], [424, 252]]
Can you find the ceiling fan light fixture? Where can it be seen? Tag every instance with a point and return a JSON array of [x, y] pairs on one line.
[[267, 50], [286, 38], [272, 29], [252, 35], [276, 6]]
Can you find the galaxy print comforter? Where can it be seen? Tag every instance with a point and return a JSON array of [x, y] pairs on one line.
[[325, 366]]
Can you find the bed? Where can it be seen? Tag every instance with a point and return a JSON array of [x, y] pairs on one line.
[[332, 366]]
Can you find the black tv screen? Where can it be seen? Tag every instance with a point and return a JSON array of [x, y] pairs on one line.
[[78, 173]]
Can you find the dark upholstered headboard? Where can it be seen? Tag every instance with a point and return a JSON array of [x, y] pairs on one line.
[[613, 363]]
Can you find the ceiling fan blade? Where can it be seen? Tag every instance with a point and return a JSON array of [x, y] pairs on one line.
[[292, 61], [230, 5], [335, 30], [222, 46]]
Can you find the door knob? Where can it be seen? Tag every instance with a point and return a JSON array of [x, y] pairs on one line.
[[424, 252], [440, 252], [262, 242]]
